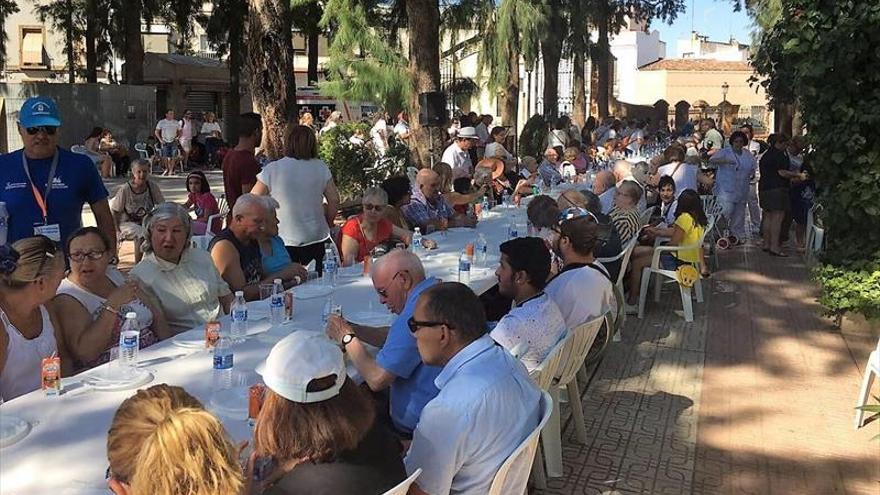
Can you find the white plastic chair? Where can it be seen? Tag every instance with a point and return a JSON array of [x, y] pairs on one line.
[[624, 256], [404, 485], [543, 376], [872, 369], [78, 148], [573, 354], [141, 149], [513, 476], [202, 241], [646, 216], [659, 272]]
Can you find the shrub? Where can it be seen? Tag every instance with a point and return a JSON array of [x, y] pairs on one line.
[[349, 163]]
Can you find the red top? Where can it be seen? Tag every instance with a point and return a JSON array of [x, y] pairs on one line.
[[352, 228], [239, 167]]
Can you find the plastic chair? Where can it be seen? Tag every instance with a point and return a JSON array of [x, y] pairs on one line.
[[141, 149], [78, 148], [404, 485], [543, 376], [202, 241], [624, 256], [672, 274], [513, 476], [575, 350], [646, 216], [871, 370]]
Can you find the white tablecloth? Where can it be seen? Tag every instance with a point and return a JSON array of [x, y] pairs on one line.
[[65, 451]]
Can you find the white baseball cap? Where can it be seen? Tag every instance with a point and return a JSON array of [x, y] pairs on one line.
[[298, 359], [468, 133]]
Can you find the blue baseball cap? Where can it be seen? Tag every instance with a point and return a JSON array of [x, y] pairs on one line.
[[39, 111]]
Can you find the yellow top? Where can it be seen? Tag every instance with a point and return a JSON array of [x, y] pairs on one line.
[[692, 234]]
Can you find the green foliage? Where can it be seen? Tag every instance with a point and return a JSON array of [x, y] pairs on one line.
[[531, 139], [366, 61], [7, 8], [822, 55], [349, 163], [874, 409]]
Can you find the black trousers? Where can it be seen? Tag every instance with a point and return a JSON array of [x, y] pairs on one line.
[[305, 254]]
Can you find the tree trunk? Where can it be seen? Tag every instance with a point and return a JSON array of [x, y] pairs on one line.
[[579, 115], [602, 62], [69, 38], [235, 62], [270, 63], [312, 73], [423, 24], [551, 51], [90, 41], [510, 104], [134, 45]]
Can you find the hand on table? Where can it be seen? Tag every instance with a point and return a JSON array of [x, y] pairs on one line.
[[429, 243], [300, 271], [337, 328]]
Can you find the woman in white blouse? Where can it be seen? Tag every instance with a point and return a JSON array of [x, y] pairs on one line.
[[304, 188], [496, 148]]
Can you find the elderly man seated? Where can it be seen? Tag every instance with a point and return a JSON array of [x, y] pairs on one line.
[[605, 186], [399, 279], [428, 210], [183, 280], [487, 403], [623, 172], [236, 249]]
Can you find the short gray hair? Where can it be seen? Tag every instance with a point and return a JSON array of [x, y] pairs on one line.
[[141, 163], [403, 260], [375, 192], [271, 203], [248, 200], [165, 211]]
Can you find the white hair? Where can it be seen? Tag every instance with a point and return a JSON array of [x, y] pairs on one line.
[[165, 211], [403, 260], [246, 201], [376, 192], [271, 203]]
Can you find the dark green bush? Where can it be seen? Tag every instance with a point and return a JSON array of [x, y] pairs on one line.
[[349, 163]]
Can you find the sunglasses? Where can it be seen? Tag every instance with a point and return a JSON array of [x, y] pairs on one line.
[[369, 207], [573, 213], [414, 325], [50, 130], [92, 255]]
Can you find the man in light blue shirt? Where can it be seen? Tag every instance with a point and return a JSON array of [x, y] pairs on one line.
[[399, 279], [487, 403]]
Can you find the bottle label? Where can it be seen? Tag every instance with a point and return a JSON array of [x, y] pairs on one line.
[[212, 334], [223, 361], [464, 265], [129, 341], [239, 315], [278, 301], [50, 375]]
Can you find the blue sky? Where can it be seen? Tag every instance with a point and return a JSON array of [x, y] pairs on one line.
[[714, 18]]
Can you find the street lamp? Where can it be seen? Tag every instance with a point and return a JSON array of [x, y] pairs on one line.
[[724, 88]]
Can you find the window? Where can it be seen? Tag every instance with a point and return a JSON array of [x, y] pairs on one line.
[[32, 47]]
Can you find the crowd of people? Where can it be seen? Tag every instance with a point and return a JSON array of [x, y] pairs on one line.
[[445, 392]]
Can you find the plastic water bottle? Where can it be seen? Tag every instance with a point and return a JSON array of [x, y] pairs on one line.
[[484, 207], [329, 273], [505, 199], [416, 240], [481, 250], [129, 343], [239, 317], [326, 311], [512, 232], [464, 268], [4, 223], [276, 303], [223, 361]]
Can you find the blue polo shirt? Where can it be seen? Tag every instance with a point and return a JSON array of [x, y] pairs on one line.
[[414, 386], [76, 183]]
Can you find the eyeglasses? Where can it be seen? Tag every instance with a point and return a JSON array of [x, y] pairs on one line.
[[50, 130], [79, 257], [414, 325], [369, 207], [384, 292]]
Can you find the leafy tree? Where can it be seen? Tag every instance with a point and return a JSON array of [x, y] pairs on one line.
[[7, 8], [62, 15], [225, 28], [577, 46], [183, 15], [845, 152], [551, 53], [307, 16]]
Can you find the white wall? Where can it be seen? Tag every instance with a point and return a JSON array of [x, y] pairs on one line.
[[634, 49]]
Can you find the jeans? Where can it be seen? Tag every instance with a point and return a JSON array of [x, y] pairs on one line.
[[735, 214]]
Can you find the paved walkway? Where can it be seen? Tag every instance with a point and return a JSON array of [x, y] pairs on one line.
[[756, 396]]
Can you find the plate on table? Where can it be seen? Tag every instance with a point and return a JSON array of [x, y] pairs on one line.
[[456, 230], [12, 429], [231, 403], [371, 318], [189, 340], [310, 291], [102, 383]]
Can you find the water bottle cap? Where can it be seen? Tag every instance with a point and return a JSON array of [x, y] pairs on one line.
[[131, 315], [276, 281], [417, 229], [239, 293]]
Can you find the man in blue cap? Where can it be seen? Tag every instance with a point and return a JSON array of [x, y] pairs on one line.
[[45, 186]]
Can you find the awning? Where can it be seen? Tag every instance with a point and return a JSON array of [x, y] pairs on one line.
[[32, 48]]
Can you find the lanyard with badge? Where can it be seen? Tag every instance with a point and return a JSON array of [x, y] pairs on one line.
[[52, 231]]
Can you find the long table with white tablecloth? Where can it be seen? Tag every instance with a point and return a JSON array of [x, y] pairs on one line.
[[65, 449]]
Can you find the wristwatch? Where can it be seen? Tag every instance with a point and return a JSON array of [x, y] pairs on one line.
[[347, 338]]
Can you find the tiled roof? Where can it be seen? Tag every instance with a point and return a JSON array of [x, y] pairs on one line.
[[697, 65]]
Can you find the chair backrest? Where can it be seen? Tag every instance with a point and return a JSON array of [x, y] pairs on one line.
[[404, 485], [627, 254], [78, 148], [141, 148], [646, 216], [575, 351], [513, 476], [544, 374], [710, 205]]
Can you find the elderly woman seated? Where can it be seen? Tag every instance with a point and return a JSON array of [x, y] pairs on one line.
[[361, 233], [132, 202], [184, 280]]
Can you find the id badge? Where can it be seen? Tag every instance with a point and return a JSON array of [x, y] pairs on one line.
[[52, 231]]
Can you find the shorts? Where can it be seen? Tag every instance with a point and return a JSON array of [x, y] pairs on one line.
[[169, 149], [670, 262], [774, 199]]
